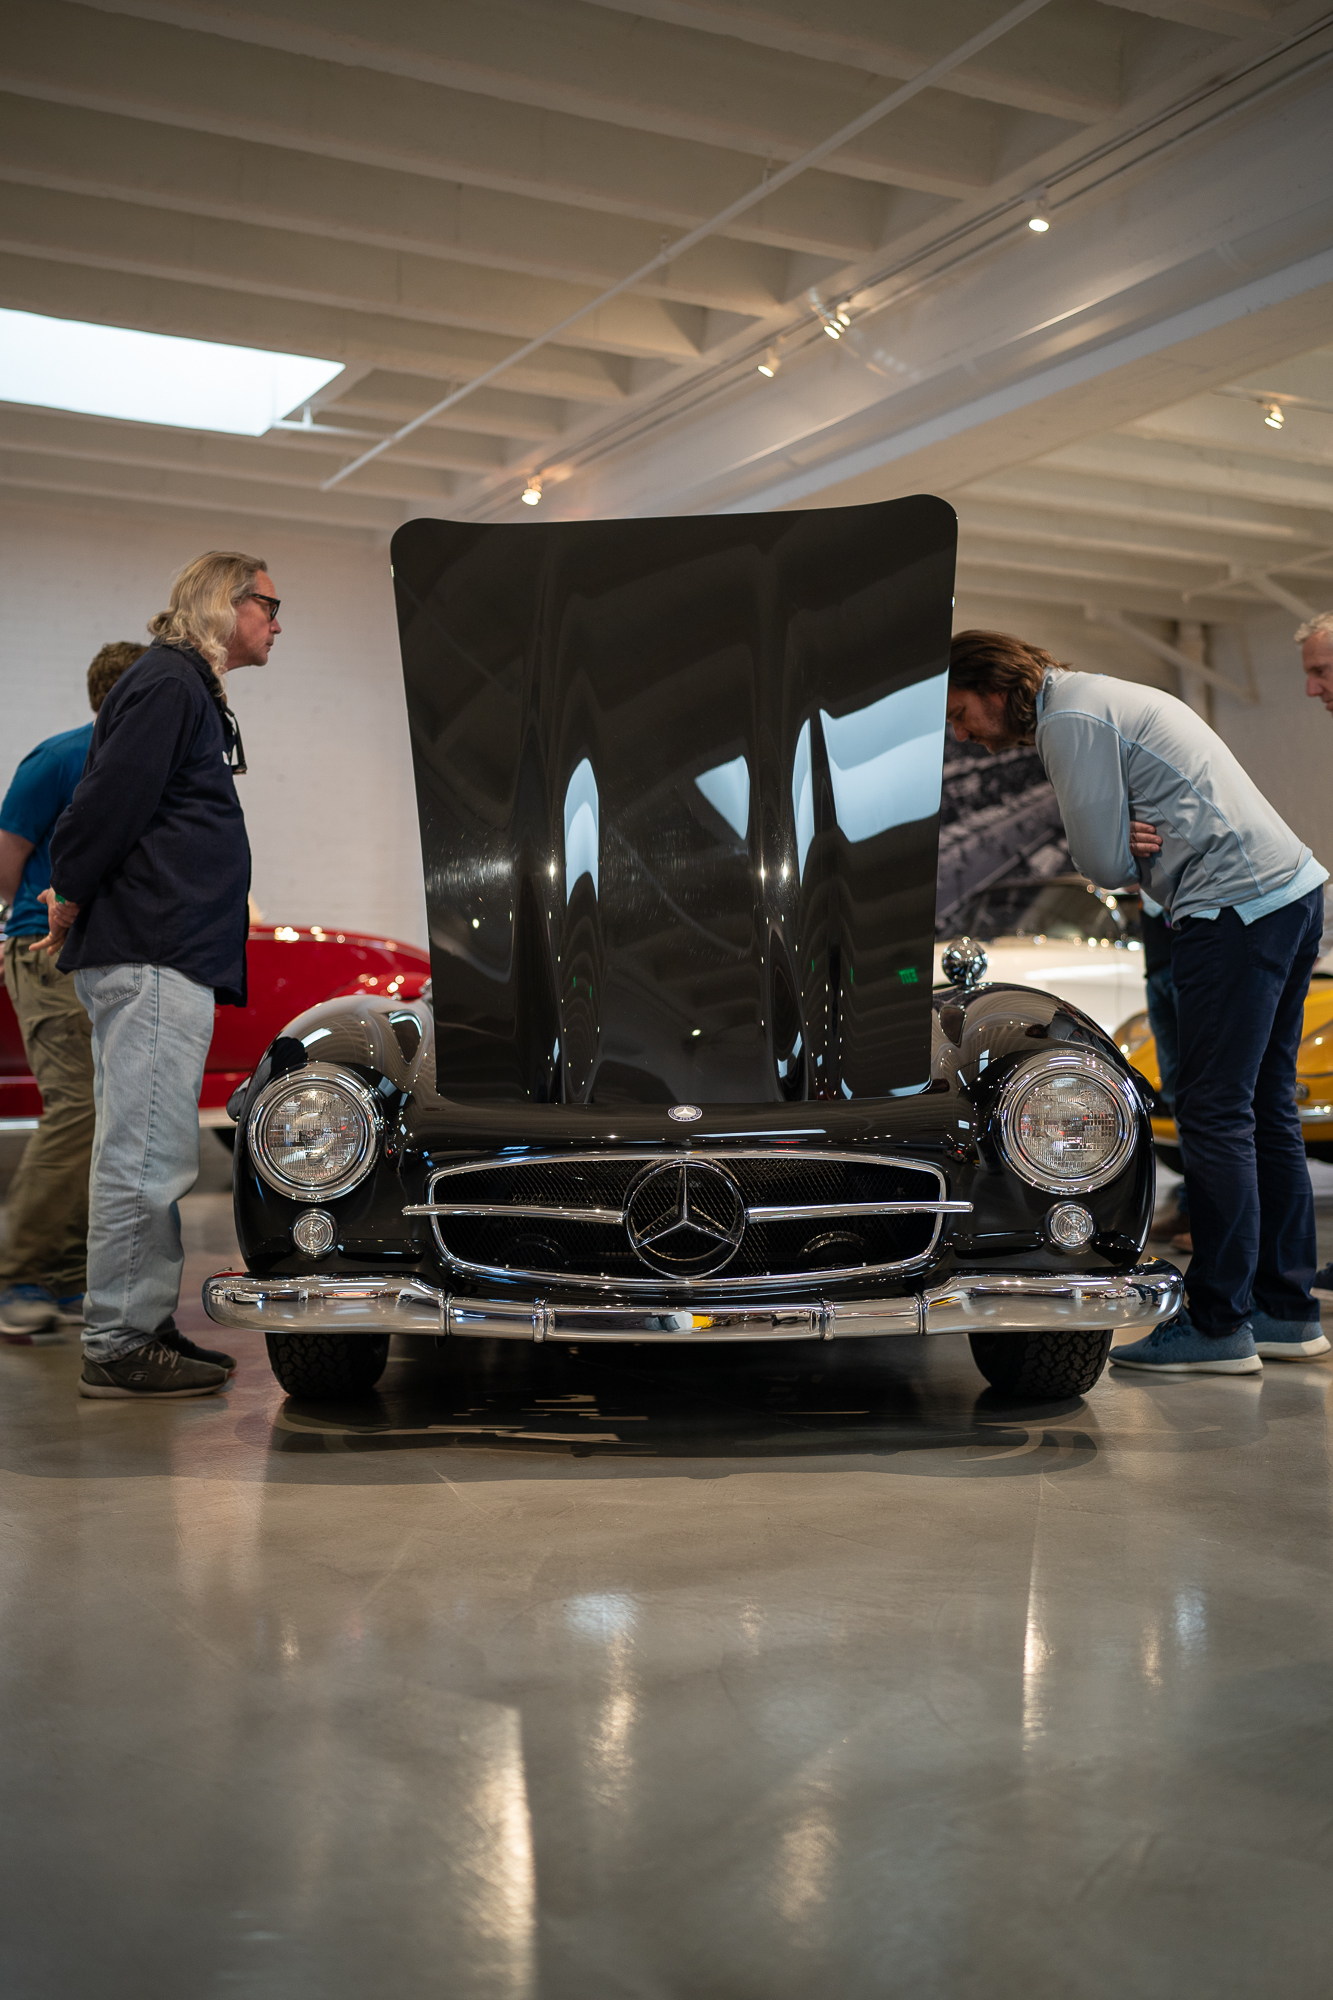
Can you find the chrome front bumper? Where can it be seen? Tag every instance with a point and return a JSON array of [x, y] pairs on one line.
[[1006, 1302]]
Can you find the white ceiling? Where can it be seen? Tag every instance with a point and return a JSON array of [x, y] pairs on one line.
[[420, 189]]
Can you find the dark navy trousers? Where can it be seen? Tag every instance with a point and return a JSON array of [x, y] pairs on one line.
[[1240, 998]]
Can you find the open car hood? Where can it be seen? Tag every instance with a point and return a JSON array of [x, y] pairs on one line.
[[679, 788]]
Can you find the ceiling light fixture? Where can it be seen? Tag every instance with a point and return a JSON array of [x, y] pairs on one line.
[[843, 317], [770, 364], [832, 329], [1038, 224], [1039, 221], [1273, 416], [532, 493]]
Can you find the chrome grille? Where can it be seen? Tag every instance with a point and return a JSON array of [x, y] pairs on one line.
[[810, 1217]]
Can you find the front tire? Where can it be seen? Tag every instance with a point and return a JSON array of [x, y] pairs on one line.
[[327, 1367], [1041, 1367]]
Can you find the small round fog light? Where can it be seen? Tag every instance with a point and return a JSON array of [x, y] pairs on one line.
[[314, 1232], [1069, 1225]]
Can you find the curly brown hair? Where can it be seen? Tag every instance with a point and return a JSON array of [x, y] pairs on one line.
[[108, 665], [996, 662]]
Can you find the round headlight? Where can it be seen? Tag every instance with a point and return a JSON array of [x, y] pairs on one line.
[[1067, 1122], [313, 1133]]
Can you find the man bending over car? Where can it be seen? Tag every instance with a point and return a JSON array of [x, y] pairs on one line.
[[1149, 794]]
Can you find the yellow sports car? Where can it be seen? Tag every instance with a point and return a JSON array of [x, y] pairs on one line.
[[1314, 1072]]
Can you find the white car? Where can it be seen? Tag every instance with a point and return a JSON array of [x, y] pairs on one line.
[[1064, 936]]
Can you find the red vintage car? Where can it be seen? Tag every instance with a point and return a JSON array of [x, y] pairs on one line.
[[291, 969]]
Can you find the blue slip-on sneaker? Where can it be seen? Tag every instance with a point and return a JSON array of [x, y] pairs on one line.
[[1287, 1339], [28, 1313], [70, 1309], [1178, 1348], [1323, 1283]]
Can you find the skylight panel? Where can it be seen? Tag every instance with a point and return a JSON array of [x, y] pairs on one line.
[[152, 378]]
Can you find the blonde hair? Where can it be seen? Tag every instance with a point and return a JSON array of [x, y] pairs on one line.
[[204, 597], [1318, 627]]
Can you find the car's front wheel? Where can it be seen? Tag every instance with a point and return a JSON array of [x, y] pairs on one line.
[[1041, 1367], [327, 1367]]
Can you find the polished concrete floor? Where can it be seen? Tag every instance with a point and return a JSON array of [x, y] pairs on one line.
[[773, 1674]]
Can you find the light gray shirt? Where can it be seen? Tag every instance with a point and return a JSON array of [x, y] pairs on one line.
[[1115, 751]]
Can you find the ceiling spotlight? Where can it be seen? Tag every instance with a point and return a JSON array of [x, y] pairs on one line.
[[843, 317], [532, 493], [770, 364], [832, 329], [1039, 224], [1273, 416]]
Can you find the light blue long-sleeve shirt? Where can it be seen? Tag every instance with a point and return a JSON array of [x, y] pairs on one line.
[[1115, 751]]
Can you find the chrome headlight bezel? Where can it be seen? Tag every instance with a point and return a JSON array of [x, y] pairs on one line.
[[1042, 1069], [351, 1087]]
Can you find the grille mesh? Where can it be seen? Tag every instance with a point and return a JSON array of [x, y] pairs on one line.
[[785, 1251]]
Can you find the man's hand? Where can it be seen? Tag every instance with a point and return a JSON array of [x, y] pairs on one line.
[[1144, 840], [60, 916]]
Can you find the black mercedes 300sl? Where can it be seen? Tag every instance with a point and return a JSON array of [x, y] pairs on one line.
[[681, 1076]]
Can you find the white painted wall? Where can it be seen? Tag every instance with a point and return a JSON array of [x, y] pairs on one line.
[[328, 797]]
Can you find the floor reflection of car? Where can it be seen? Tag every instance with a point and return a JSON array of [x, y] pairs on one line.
[[1064, 936], [1314, 1071], [290, 967], [682, 1079]]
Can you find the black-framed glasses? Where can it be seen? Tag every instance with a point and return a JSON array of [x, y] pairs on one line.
[[270, 604]]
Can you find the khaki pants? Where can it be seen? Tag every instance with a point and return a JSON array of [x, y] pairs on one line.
[[48, 1198]]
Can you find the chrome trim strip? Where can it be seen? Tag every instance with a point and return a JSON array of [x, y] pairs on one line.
[[528, 1209], [1002, 1302], [1315, 1114], [714, 1155], [828, 1210]]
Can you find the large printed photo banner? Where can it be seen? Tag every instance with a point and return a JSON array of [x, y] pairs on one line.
[[679, 791]]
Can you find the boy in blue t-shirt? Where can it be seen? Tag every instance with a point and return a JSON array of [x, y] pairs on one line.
[[42, 1265]]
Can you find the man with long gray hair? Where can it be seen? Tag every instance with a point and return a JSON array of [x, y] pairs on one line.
[[150, 870]]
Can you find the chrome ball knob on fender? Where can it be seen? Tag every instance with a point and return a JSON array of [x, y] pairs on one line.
[[964, 963]]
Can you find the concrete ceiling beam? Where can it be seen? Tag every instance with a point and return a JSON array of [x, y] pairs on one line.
[[1121, 498], [69, 54], [197, 173], [1003, 587], [202, 312], [107, 441], [1230, 423], [1093, 565], [649, 75], [1080, 60], [993, 523], [390, 400], [1169, 464], [77, 478], [279, 264]]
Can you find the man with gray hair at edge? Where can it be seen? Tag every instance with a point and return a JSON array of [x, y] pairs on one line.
[[150, 872], [1149, 794], [1315, 639]]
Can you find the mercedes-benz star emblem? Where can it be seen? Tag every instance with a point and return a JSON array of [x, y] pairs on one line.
[[685, 1114], [685, 1218]]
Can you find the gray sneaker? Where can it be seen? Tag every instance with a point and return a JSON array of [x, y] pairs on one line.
[[173, 1337], [154, 1371]]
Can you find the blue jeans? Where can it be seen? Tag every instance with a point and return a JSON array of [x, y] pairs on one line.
[[1240, 999], [151, 1031]]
